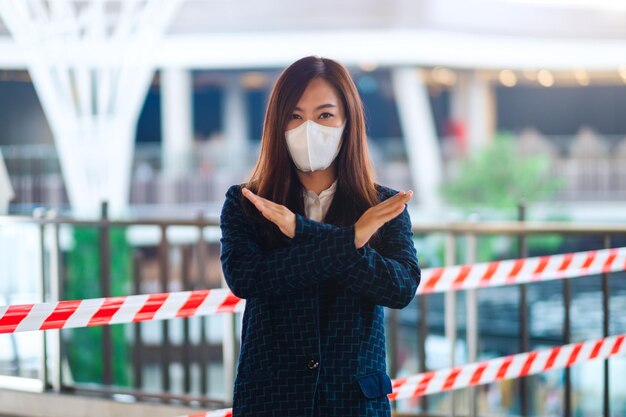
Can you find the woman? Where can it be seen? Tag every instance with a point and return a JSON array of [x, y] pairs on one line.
[[317, 249]]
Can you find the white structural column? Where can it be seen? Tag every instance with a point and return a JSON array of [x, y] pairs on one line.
[[6, 189], [473, 102], [235, 122], [177, 121], [420, 136], [91, 64]]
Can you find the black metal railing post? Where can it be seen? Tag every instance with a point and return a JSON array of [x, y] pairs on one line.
[[202, 282], [165, 329], [450, 311], [186, 347], [606, 403], [422, 331], [523, 312], [472, 324], [392, 346], [567, 302], [138, 338], [57, 293], [105, 290], [43, 364]]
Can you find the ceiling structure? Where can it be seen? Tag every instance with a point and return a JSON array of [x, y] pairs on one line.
[[570, 19], [478, 34]]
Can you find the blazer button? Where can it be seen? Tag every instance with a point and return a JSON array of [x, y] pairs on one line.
[[313, 364]]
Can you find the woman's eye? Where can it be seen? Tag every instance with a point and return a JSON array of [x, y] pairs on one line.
[[295, 116], [327, 114]]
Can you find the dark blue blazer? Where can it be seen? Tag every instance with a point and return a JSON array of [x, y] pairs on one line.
[[313, 339]]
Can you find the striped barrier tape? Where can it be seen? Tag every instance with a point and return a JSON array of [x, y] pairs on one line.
[[507, 367], [493, 370], [137, 308], [216, 413], [116, 310], [520, 271]]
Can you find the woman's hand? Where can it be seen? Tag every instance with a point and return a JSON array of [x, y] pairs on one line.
[[280, 215], [376, 216]]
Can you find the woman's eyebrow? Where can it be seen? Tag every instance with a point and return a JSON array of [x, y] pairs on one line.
[[323, 106]]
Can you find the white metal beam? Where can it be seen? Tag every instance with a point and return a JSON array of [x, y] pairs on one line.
[[420, 137], [392, 48], [6, 189], [473, 103], [91, 85], [235, 122], [176, 121], [384, 47]]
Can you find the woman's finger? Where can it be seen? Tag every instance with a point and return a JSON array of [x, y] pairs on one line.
[[270, 210], [266, 211], [392, 211], [399, 196], [267, 204], [393, 203], [277, 212], [264, 202], [261, 205], [254, 199]]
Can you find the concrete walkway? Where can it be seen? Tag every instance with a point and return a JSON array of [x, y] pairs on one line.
[[26, 404]]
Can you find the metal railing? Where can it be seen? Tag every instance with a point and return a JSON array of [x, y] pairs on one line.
[[193, 352], [606, 234], [163, 354]]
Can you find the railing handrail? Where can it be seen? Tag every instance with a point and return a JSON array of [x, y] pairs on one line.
[[199, 222], [520, 227], [513, 227]]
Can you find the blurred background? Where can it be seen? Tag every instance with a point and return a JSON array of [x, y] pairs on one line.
[[144, 112]]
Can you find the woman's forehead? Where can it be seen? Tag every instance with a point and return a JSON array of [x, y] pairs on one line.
[[319, 92]]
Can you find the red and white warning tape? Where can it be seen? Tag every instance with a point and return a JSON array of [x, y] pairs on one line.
[[115, 310], [508, 367], [216, 413], [136, 308], [520, 271]]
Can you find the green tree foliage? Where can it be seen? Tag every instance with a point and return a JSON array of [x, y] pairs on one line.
[[498, 177]]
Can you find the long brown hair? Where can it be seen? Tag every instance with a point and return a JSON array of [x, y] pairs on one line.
[[274, 176]]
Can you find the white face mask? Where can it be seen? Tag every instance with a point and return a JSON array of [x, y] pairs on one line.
[[314, 146]]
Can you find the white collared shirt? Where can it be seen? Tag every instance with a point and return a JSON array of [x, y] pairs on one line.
[[316, 206]]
